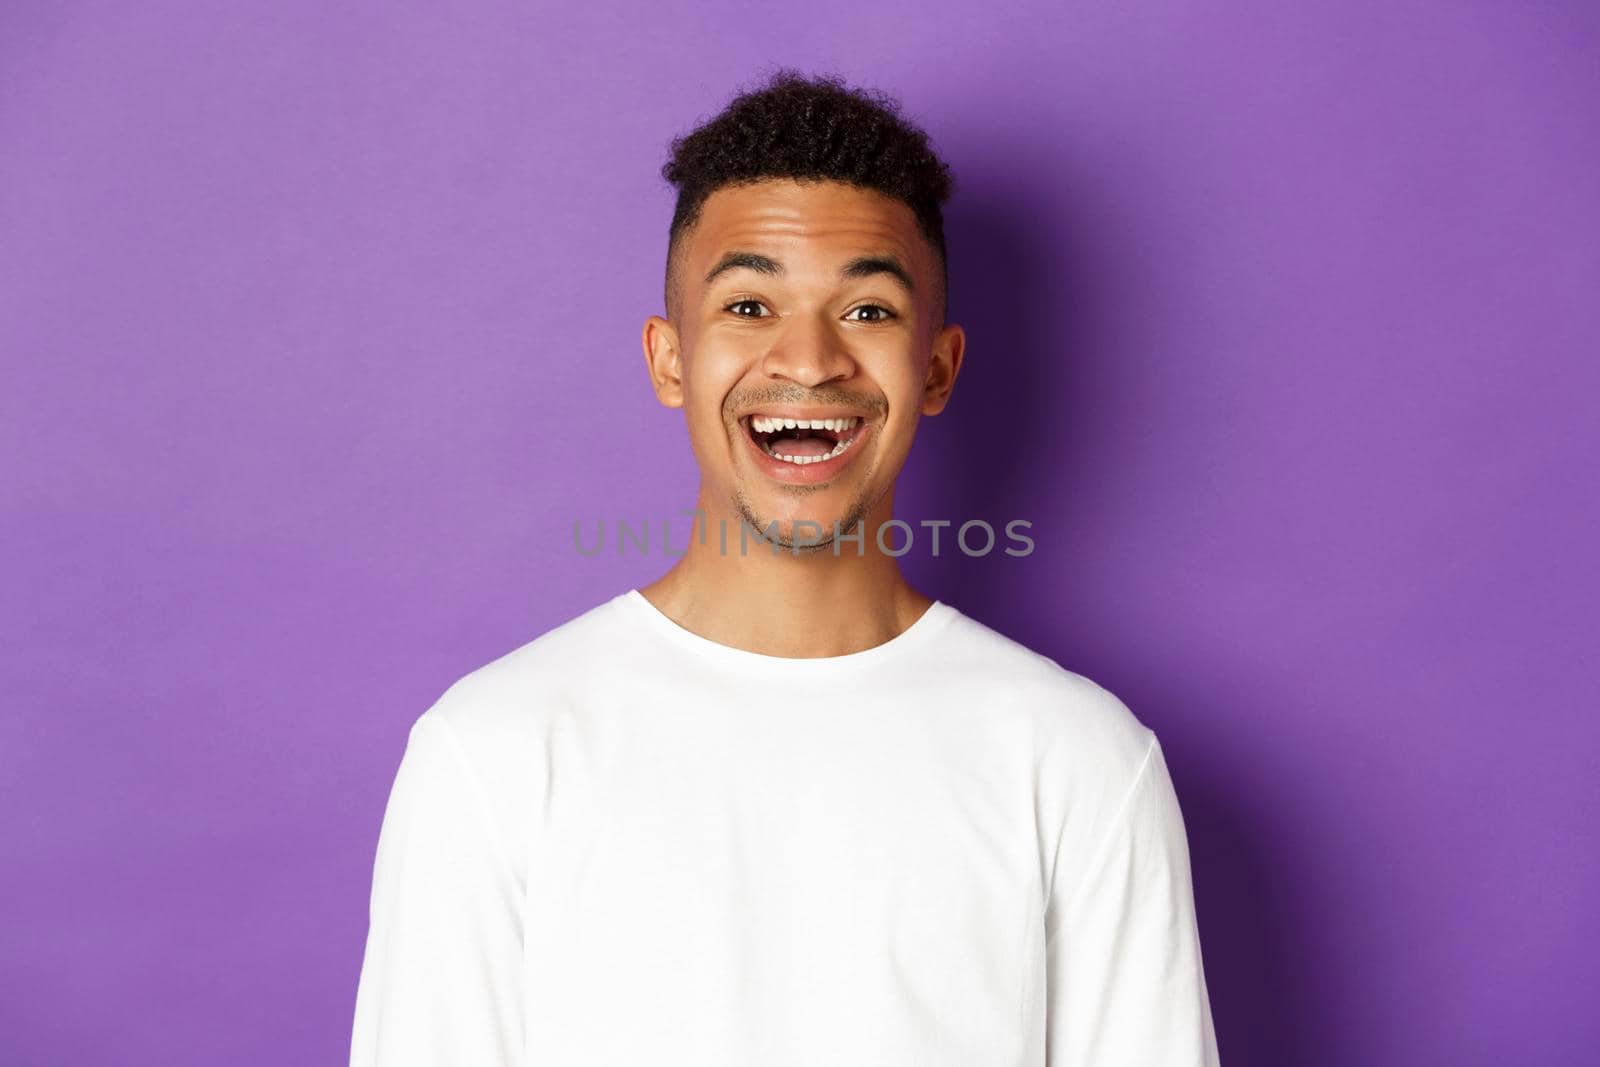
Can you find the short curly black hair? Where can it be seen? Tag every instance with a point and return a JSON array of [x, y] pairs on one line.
[[810, 129]]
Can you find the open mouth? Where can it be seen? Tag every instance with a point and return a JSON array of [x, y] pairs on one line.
[[803, 441]]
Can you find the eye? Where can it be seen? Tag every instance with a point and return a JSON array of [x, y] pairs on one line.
[[742, 302], [886, 316]]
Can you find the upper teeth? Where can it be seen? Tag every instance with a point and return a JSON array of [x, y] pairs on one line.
[[764, 424]]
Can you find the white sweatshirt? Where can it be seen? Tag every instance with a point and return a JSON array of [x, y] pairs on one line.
[[626, 844]]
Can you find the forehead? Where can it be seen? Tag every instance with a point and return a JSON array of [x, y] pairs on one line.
[[832, 220]]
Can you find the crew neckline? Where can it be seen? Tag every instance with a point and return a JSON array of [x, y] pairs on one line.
[[932, 620]]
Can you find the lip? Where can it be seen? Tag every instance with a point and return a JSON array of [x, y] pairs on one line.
[[804, 473]]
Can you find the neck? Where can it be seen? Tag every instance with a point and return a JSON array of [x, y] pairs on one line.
[[781, 602]]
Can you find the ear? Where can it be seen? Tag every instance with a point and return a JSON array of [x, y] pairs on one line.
[[661, 360], [944, 363]]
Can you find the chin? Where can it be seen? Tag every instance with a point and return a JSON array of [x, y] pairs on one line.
[[814, 525]]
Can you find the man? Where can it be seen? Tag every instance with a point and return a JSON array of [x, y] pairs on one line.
[[779, 807]]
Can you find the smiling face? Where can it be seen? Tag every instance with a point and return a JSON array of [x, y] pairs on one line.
[[803, 348]]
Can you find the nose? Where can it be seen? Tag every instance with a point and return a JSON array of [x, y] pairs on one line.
[[810, 351]]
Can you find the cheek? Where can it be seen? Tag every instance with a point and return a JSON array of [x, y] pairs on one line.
[[707, 385], [904, 394], [902, 367], [712, 369]]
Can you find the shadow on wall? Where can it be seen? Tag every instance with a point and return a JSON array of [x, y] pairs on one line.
[[1011, 443], [1025, 436]]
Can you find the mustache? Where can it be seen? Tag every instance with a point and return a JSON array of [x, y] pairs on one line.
[[866, 406]]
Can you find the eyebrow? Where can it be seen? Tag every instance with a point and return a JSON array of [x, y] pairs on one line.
[[860, 267]]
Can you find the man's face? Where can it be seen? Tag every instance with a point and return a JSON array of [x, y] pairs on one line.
[[794, 304]]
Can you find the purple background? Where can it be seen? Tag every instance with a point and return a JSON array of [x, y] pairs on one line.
[[321, 326]]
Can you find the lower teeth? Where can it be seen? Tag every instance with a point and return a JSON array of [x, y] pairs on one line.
[[802, 460]]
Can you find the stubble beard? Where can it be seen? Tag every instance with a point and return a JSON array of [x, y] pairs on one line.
[[854, 516]]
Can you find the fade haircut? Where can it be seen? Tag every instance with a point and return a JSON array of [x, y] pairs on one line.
[[809, 129]]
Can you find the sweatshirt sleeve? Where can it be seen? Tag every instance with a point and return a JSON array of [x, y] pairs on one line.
[[1124, 973], [439, 982]]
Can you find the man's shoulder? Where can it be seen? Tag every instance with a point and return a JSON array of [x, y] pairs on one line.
[[493, 714], [1071, 714], [498, 696], [1088, 747]]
